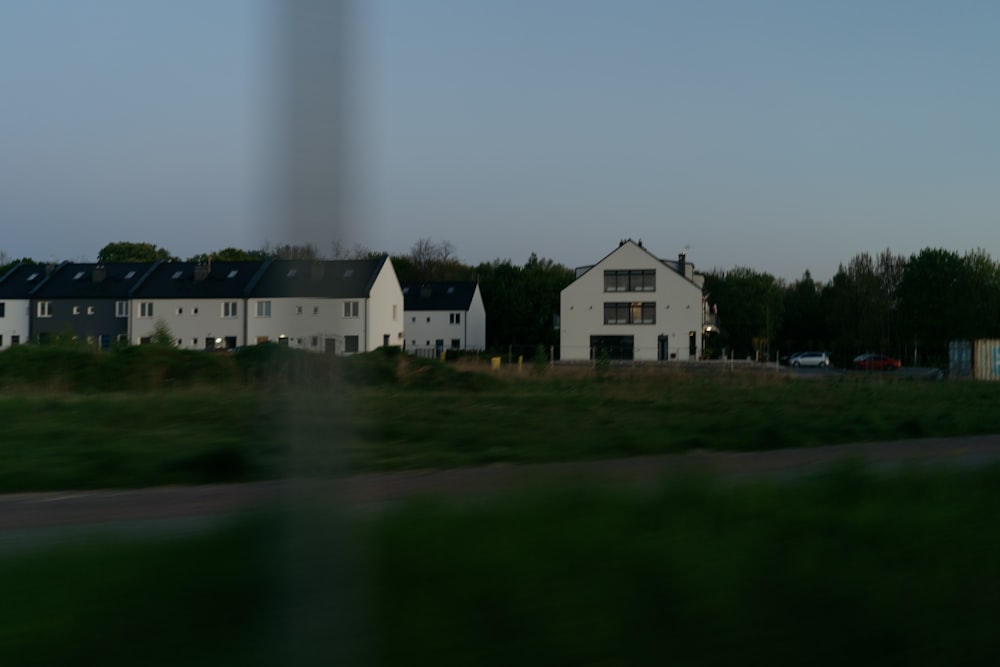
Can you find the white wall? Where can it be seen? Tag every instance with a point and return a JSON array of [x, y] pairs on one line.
[[15, 322], [304, 323], [384, 313], [199, 319], [678, 308]]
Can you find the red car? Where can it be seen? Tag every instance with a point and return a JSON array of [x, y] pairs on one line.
[[875, 362]]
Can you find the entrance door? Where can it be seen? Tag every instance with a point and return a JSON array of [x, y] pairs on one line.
[[692, 344], [663, 349]]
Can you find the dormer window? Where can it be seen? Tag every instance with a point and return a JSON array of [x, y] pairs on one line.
[[232, 274], [32, 277], [292, 272], [79, 275], [177, 275], [130, 275]]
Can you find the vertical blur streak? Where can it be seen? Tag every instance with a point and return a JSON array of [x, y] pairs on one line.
[[312, 159]]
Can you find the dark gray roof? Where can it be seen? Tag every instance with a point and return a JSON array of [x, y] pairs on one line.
[[438, 295], [15, 284], [333, 279], [191, 280], [71, 280]]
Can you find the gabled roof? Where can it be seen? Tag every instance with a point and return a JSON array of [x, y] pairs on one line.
[[72, 280], [331, 279], [18, 282], [192, 280], [674, 265], [438, 295]]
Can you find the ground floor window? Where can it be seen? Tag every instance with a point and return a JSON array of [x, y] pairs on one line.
[[350, 344], [612, 347]]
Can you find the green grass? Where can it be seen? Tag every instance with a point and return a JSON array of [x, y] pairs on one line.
[[843, 567], [390, 412]]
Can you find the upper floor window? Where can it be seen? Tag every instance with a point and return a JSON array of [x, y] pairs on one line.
[[634, 280], [121, 308], [630, 313], [455, 318], [3, 308], [263, 309], [350, 309], [146, 309], [45, 309], [229, 309]]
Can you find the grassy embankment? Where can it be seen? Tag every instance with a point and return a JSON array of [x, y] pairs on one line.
[[70, 418], [835, 569]]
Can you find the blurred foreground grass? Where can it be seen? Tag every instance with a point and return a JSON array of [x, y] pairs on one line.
[[841, 567]]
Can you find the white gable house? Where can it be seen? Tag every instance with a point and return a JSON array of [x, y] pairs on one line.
[[633, 305], [336, 306], [444, 316]]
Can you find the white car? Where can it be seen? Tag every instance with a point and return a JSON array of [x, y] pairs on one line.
[[818, 359]]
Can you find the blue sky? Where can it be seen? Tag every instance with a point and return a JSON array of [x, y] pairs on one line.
[[783, 136]]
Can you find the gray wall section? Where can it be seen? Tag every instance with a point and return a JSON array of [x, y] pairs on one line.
[[102, 323]]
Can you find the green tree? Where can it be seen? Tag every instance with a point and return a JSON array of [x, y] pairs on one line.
[[751, 310], [161, 334], [230, 255], [124, 251]]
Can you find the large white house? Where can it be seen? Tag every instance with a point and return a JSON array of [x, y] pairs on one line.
[[444, 316], [633, 305], [337, 306]]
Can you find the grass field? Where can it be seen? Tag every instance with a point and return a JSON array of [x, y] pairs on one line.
[[391, 412], [845, 567]]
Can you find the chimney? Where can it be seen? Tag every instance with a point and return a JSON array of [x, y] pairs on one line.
[[201, 272], [682, 264], [316, 271], [100, 273]]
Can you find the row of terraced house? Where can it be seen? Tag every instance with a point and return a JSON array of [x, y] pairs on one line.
[[331, 306]]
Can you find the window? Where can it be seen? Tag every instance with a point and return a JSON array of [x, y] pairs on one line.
[[45, 309], [635, 280], [90, 310], [194, 311], [3, 307], [76, 310], [146, 309], [630, 313], [350, 309], [229, 309], [455, 318], [314, 341], [298, 310], [15, 340], [455, 342], [315, 310], [263, 309], [350, 343], [393, 312], [130, 275], [121, 308], [180, 310]]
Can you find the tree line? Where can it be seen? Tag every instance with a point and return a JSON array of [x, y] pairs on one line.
[[909, 307]]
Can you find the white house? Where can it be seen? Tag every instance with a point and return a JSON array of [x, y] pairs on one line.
[[334, 306], [444, 315], [202, 305], [633, 305], [15, 303]]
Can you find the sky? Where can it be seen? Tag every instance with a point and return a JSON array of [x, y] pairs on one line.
[[784, 136]]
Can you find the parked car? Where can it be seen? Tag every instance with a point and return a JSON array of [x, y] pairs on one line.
[[875, 362], [819, 359]]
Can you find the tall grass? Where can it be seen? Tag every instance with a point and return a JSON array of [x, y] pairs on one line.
[[172, 416]]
